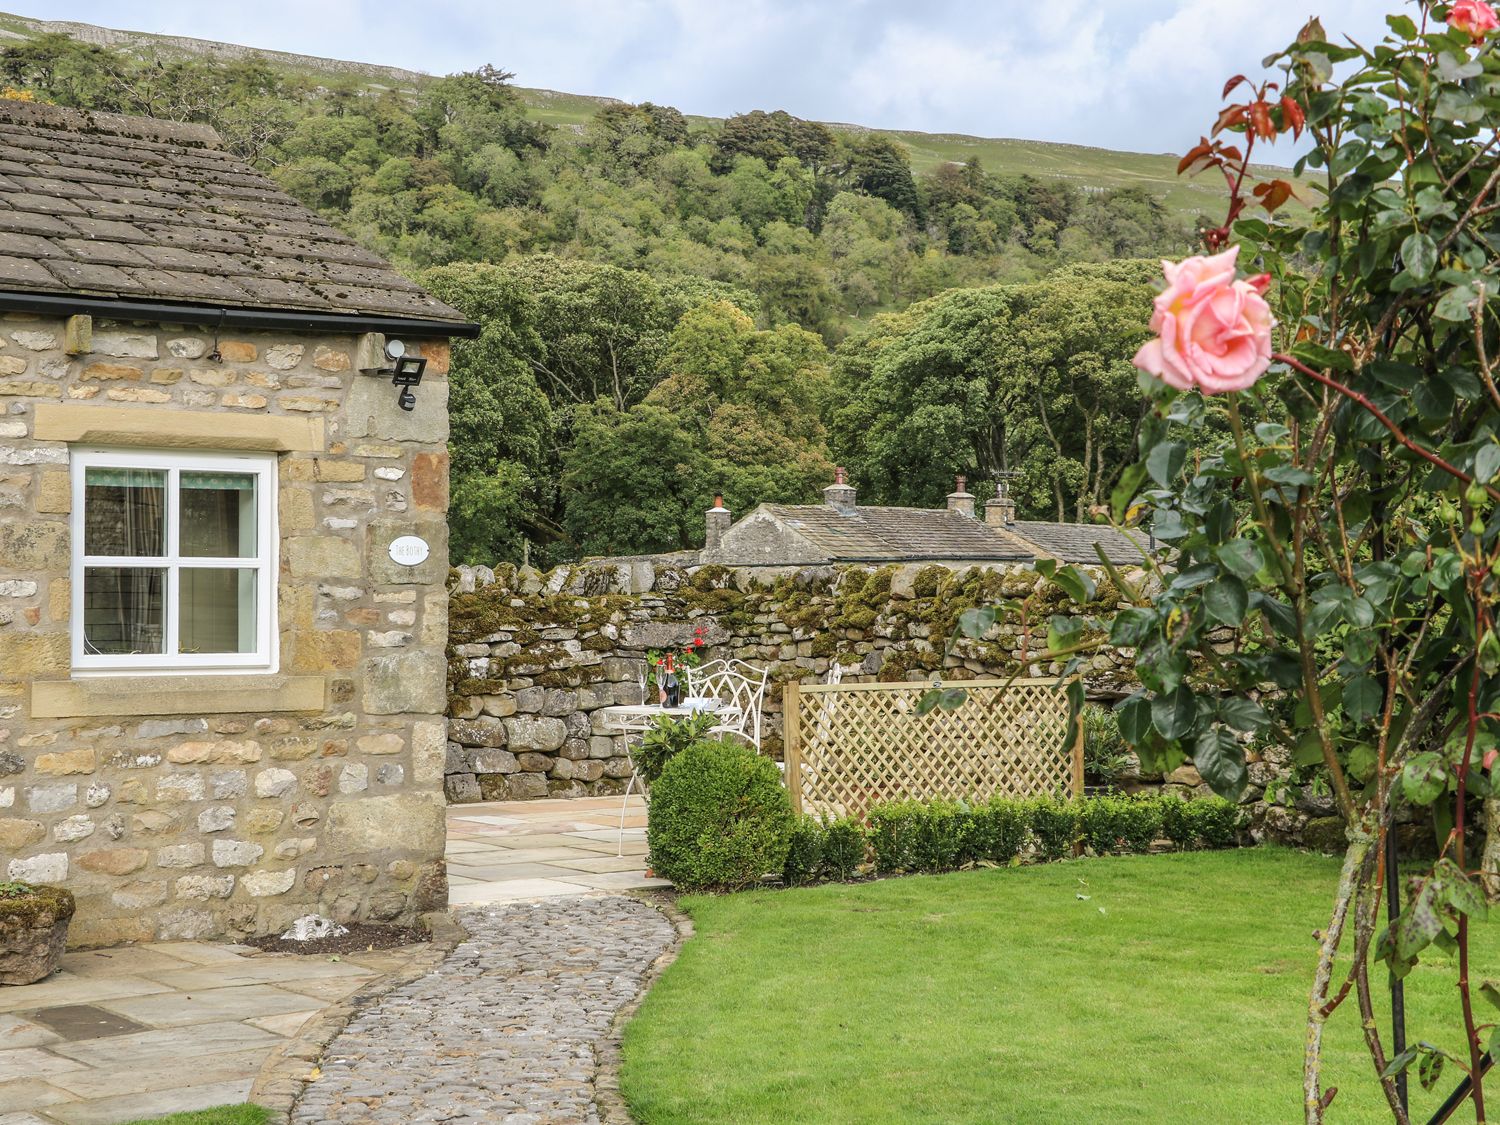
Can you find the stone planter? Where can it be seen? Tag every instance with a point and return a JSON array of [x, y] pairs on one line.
[[33, 931]]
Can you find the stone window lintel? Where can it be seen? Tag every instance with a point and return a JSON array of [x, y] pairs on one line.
[[176, 429]]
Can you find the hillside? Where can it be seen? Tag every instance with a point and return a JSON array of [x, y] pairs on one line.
[[1087, 168], [675, 307], [1090, 169]]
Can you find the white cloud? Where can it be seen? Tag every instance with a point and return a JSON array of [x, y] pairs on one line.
[[1137, 74], [919, 77]]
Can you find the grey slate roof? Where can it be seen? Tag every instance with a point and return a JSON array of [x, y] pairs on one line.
[[133, 208], [880, 534], [892, 534], [1074, 542]]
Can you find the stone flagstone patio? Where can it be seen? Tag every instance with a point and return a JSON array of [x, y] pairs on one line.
[[507, 851], [145, 1030]]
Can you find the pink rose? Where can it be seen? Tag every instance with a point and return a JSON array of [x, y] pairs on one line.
[[1213, 329], [1473, 16]]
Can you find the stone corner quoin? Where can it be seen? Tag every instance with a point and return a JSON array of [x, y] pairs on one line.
[[182, 807]]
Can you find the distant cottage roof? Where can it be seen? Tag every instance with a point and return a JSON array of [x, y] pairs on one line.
[[132, 210], [880, 534], [842, 531], [1074, 542]]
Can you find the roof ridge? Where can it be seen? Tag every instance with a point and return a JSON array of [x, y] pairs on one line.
[[183, 133]]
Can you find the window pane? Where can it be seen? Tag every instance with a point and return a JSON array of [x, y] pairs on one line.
[[218, 609], [218, 515], [123, 512], [122, 609]]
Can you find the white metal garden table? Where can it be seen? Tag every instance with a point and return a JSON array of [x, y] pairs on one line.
[[635, 719]]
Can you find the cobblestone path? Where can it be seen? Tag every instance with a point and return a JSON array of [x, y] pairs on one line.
[[507, 1030]]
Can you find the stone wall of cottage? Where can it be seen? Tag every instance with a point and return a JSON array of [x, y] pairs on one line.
[[186, 807], [534, 658]]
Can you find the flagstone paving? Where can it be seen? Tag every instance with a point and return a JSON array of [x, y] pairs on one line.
[[509, 1029], [144, 1030], [508, 851]]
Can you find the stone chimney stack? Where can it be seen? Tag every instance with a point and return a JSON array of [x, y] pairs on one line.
[[717, 520], [960, 500], [840, 494], [1000, 511]]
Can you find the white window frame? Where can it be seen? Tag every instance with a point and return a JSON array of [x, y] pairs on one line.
[[265, 561]]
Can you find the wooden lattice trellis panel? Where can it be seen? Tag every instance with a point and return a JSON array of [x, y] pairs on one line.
[[850, 746]]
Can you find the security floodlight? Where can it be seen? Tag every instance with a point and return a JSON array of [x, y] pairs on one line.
[[405, 373]]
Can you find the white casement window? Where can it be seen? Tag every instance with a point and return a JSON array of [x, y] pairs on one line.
[[174, 561]]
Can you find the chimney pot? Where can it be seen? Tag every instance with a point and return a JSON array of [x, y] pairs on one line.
[[959, 500], [716, 522], [840, 494], [1001, 511]]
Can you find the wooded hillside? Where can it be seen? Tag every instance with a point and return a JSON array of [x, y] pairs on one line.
[[674, 308]]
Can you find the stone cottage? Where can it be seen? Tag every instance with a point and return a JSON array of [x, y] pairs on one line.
[[840, 530], [223, 488]]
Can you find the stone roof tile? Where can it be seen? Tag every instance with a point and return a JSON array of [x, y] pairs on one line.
[[199, 286], [110, 253], [86, 277], [119, 210], [131, 207], [23, 271], [30, 246], [196, 238], [41, 204], [278, 291], [47, 185], [29, 222]]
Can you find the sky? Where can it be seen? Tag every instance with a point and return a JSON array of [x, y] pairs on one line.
[[1141, 75]]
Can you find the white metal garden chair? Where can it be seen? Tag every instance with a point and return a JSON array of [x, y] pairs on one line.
[[740, 691]]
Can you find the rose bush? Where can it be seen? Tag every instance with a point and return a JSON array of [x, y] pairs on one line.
[[1213, 328], [1330, 577], [1349, 537]]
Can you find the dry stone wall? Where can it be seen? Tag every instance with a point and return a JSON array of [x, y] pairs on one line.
[[221, 806], [534, 658]]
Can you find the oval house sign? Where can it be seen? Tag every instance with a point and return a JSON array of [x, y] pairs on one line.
[[409, 550]]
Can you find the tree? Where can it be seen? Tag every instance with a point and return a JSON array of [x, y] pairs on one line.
[[500, 423], [737, 411], [1072, 412], [603, 329], [626, 138], [632, 481], [880, 167], [1033, 379], [463, 111], [769, 137]]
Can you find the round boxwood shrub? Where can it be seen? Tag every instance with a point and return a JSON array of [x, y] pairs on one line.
[[719, 818]]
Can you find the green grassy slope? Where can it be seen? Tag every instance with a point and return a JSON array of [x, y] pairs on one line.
[[1084, 167]]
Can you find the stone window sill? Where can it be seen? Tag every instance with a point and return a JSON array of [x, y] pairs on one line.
[[174, 695]]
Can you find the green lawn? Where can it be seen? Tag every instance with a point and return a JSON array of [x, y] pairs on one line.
[[1174, 992], [222, 1115]]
